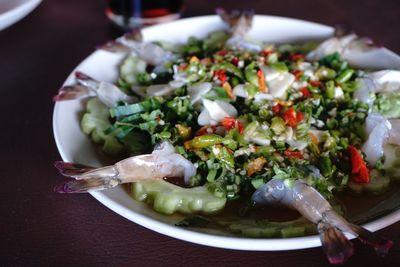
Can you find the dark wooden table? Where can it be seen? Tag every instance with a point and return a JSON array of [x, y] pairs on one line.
[[41, 228]]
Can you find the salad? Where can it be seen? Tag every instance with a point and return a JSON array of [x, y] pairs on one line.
[[229, 119]]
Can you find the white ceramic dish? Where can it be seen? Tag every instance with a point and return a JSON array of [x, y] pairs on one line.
[[11, 11], [74, 146]]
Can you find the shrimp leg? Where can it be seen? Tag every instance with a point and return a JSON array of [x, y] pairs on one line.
[[162, 162], [331, 226]]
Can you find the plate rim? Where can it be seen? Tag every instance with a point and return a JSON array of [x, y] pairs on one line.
[[17, 13]]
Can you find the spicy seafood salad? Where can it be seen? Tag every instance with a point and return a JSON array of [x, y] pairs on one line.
[[198, 126]]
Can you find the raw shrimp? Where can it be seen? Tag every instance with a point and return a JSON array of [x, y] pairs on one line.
[[86, 86], [149, 52], [380, 131], [312, 205], [384, 81], [162, 162], [240, 24], [359, 52]]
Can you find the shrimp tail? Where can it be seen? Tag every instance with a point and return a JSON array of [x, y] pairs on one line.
[[380, 244], [86, 178], [83, 186], [116, 46], [335, 244], [70, 169], [71, 92], [232, 18], [113, 47], [135, 35], [87, 81], [86, 87], [240, 23], [81, 172]]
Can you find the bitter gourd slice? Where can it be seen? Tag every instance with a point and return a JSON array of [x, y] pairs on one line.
[[168, 198]]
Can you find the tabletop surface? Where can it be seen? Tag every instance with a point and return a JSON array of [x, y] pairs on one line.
[[41, 228]]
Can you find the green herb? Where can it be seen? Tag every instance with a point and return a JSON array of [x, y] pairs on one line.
[[150, 103], [205, 141], [279, 66], [345, 76]]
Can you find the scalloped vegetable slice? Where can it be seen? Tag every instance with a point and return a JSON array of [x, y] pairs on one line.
[[387, 105], [131, 67], [377, 185], [263, 228], [392, 161], [298, 227], [95, 122], [167, 198]]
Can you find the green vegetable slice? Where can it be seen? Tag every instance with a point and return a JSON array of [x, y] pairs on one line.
[[130, 68], [294, 228], [377, 185], [167, 198], [388, 105], [392, 161], [95, 122]]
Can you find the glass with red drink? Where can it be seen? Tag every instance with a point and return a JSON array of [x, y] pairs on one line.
[[130, 14]]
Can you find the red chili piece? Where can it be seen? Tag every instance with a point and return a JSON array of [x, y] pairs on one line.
[[265, 53], [306, 93], [235, 61], [232, 123], [359, 169], [293, 154], [296, 57], [222, 53], [315, 83], [221, 75], [276, 108], [292, 118], [297, 74]]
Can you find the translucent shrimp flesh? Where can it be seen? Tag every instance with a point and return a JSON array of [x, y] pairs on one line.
[[383, 81], [86, 86], [240, 23], [380, 131], [331, 226], [358, 51], [132, 42], [162, 162]]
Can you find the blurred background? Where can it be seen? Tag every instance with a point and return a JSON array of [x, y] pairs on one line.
[[370, 18]]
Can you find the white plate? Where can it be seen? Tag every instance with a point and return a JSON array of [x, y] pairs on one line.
[[12, 11], [74, 146]]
